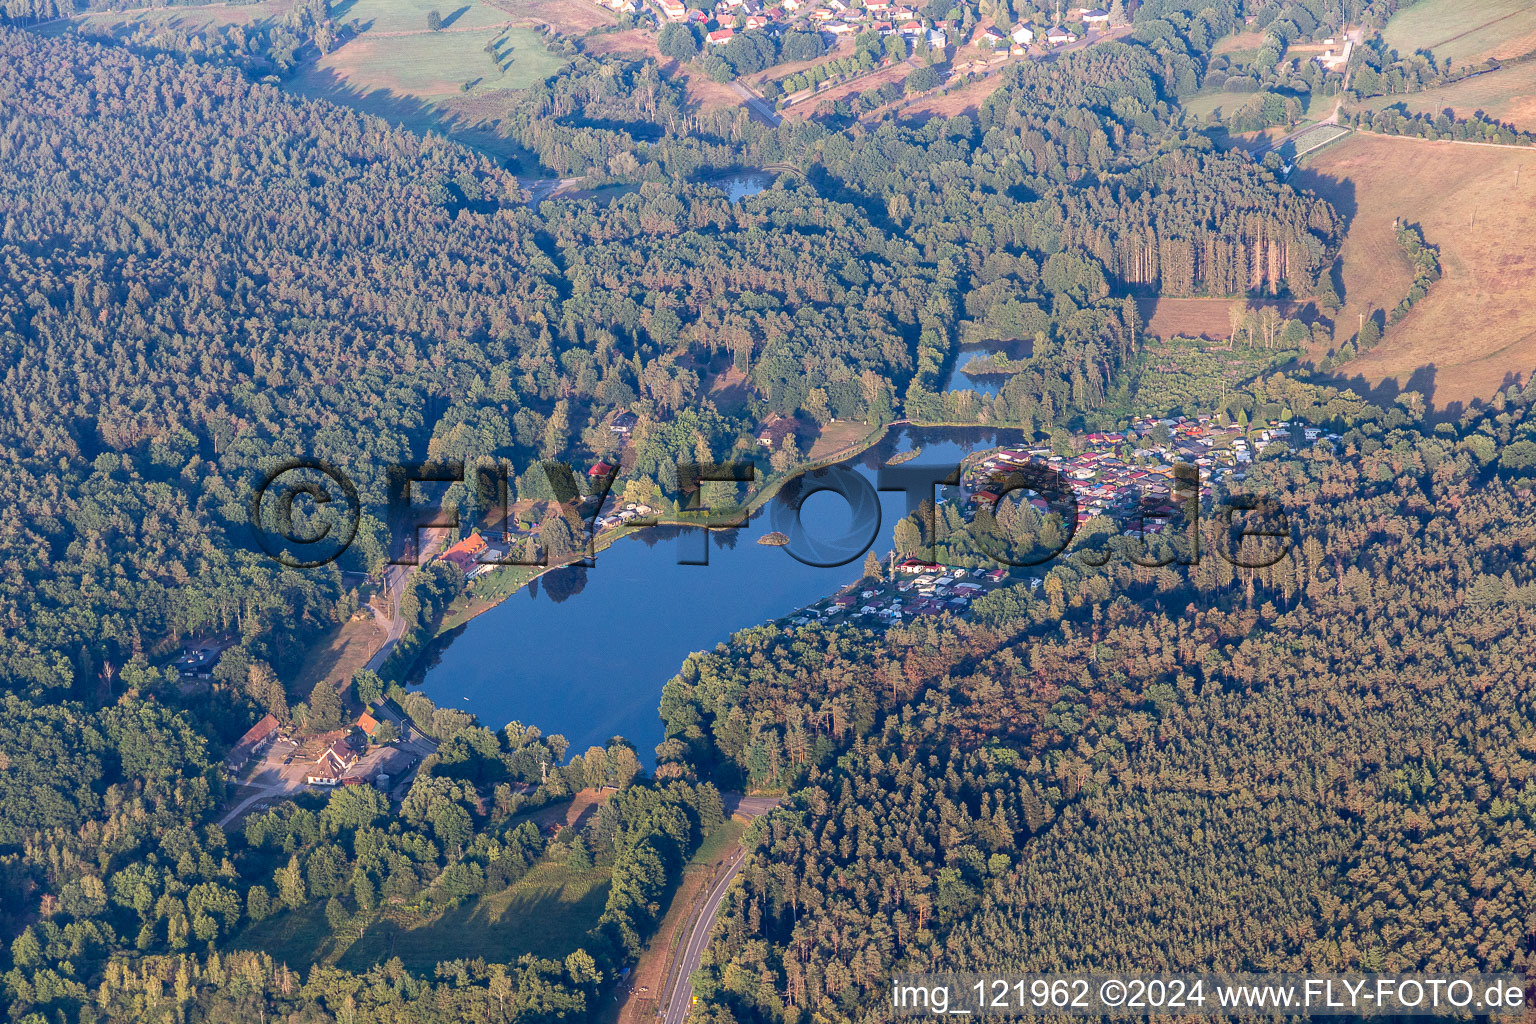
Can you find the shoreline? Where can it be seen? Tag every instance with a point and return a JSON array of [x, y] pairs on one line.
[[459, 615]]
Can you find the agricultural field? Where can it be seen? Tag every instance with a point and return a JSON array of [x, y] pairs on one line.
[[397, 68], [1508, 95], [1476, 329], [1206, 318], [395, 52], [1466, 33]]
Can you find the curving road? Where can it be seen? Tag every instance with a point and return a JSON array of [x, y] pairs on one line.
[[682, 995], [681, 1000]]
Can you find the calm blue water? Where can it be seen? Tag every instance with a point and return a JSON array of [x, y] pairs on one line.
[[745, 183], [989, 384], [585, 652]]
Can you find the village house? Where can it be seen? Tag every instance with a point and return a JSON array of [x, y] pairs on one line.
[[716, 38], [623, 423], [674, 10], [335, 759], [1095, 17], [992, 37], [465, 553], [256, 739], [1059, 35], [1023, 34], [197, 663]]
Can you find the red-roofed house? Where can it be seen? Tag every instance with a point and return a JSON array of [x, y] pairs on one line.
[[716, 38], [256, 739], [368, 724], [463, 553]]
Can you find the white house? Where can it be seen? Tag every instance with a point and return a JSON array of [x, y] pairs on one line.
[[1024, 35]]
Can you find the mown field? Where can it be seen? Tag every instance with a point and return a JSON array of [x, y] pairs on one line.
[[1508, 95], [396, 53], [394, 66], [1464, 32], [1477, 326]]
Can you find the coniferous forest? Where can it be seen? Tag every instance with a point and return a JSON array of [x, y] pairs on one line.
[[1318, 765]]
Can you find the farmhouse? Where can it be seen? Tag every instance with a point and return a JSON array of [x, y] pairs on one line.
[[256, 739], [675, 10], [367, 724], [332, 764], [775, 431], [1023, 34], [463, 554]]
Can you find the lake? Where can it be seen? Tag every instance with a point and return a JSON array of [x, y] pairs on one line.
[[585, 652], [737, 185], [986, 383]]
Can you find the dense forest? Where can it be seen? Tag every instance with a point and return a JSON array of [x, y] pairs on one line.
[[1323, 765]]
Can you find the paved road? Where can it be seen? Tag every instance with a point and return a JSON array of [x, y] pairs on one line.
[[394, 585], [756, 105], [271, 780], [682, 994]]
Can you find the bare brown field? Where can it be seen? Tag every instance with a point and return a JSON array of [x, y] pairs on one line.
[[962, 101], [836, 437], [1207, 318], [895, 73], [339, 655], [569, 17], [1477, 326], [632, 40], [710, 94]]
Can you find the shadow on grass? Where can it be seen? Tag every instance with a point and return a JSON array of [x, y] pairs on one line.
[[547, 914]]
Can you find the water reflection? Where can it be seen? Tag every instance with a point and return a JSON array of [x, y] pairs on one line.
[[587, 651], [984, 383]]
